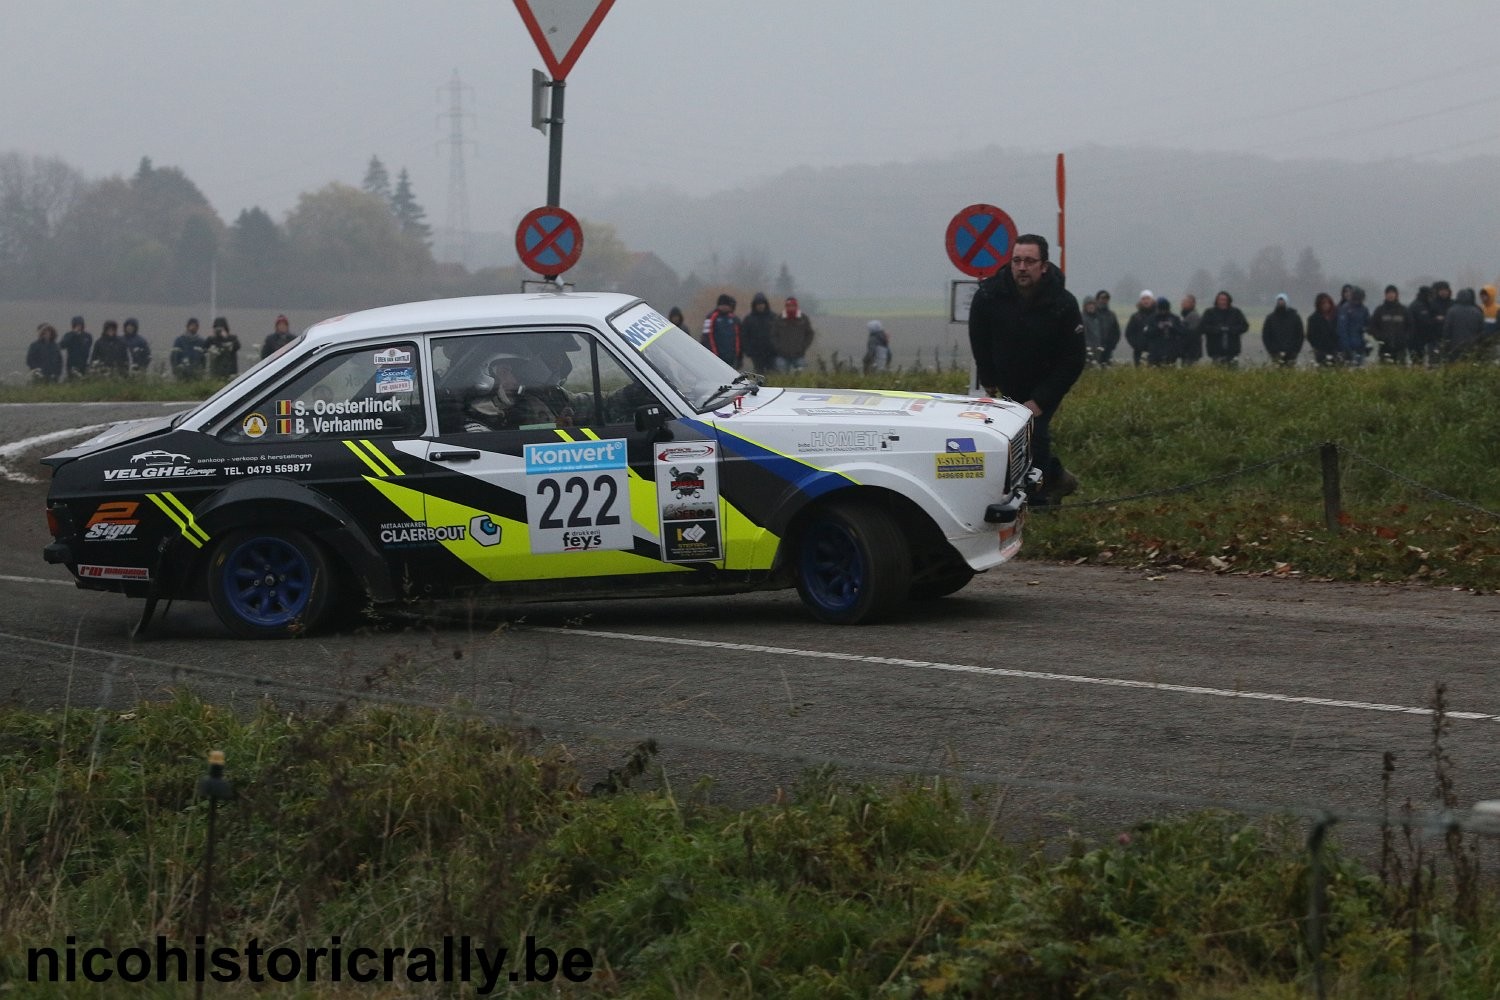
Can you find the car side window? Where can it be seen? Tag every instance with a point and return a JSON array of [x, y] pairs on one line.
[[529, 381], [372, 391]]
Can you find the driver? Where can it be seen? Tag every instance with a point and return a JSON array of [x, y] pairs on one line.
[[512, 392]]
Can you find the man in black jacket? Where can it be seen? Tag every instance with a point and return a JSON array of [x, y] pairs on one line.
[[1026, 332], [1222, 326], [1282, 333]]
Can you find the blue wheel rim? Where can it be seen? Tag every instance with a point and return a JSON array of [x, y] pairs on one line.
[[267, 581], [833, 567]]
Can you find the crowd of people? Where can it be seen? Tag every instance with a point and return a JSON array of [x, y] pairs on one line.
[[1435, 327], [122, 351]]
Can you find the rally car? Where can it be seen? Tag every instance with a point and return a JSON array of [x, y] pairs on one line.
[[536, 446]]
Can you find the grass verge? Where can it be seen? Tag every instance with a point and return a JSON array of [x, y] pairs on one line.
[[390, 828]]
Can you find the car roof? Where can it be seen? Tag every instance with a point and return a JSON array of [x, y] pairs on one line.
[[589, 308]]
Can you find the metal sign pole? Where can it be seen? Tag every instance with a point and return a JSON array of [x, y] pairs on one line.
[[554, 146]]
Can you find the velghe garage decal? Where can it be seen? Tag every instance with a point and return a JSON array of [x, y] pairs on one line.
[[687, 489], [578, 496]]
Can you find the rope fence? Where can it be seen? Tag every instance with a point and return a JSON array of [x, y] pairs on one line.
[[1330, 453]]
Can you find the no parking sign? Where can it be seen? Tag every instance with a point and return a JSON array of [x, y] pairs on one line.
[[980, 240], [549, 241]]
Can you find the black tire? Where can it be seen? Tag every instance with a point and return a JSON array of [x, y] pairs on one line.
[[267, 583], [942, 582], [853, 564]]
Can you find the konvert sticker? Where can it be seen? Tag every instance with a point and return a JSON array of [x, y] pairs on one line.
[[578, 496]]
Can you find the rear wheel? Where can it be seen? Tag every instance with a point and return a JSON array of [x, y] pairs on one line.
[[269, 584], [853, 564]]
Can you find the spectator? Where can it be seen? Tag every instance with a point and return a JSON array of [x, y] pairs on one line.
[[110, 356], [675, 317], [136, 346], [1490, 308], [1138, 328], [44, 358], [1323, 333], [877, 347], [1421, 324], [187, 352], [1390, 325], [1026, 333], [1282, 333], [280, 337], [1442, 301], [1163, 335], [1109, 332], [791, 336], [1463, 328], [755, 329], [721, 331], [1191, 349], [1353, 321], [223, 351], [77, 344], [1093, 325], [1222, 327]]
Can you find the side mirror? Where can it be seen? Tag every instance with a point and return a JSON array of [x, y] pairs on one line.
[[651, 418]]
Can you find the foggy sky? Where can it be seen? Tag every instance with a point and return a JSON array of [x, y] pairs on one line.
[[261, 101]]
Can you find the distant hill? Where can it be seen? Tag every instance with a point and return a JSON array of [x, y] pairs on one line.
[[1158, 215]]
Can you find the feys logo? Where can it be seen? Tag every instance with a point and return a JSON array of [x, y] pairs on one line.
[[112, 522]]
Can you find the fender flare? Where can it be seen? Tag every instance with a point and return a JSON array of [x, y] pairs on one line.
[[285, 503]]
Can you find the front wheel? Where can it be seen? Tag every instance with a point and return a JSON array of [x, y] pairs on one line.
[[267, 584], [853, 564]]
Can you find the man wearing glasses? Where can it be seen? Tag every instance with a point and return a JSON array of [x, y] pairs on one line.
[[1026, 332]]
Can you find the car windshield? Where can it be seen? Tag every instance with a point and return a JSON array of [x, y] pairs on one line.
[[692, 369]]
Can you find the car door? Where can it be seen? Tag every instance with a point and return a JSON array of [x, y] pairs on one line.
[[539, 459]]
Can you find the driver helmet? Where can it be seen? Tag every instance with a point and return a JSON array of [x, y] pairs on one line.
[[490, 394]]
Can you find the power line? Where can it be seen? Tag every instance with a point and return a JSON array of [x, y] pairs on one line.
[[458, 236]]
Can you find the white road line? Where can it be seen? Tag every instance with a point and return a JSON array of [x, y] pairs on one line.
[[35, 579], [1034, 675], [20, 447]]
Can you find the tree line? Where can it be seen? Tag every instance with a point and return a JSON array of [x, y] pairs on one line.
[[154, 237]]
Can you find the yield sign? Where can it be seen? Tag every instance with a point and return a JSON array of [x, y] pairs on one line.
[[549, 240], [561, 28], [980, 239]]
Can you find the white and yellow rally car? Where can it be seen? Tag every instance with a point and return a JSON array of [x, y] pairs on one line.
[[542, 447]]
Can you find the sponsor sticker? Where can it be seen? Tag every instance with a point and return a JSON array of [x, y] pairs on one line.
[[158, 472], [254, 425], [394, 380], [687, 491], [578, 496], [112, 522], [697, 451], [158, 457], [960, 444], [484, 530], [113, 572], [403, 533], [393, 356], [824, 441], [644, 327], [845, 411], [960, 465]]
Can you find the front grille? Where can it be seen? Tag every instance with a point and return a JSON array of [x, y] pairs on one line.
[[1020, 459]]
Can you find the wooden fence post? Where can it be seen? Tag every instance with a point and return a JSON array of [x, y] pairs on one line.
[[1332, 499]]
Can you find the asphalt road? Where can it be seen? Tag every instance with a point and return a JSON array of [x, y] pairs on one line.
[[1134, 686]]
